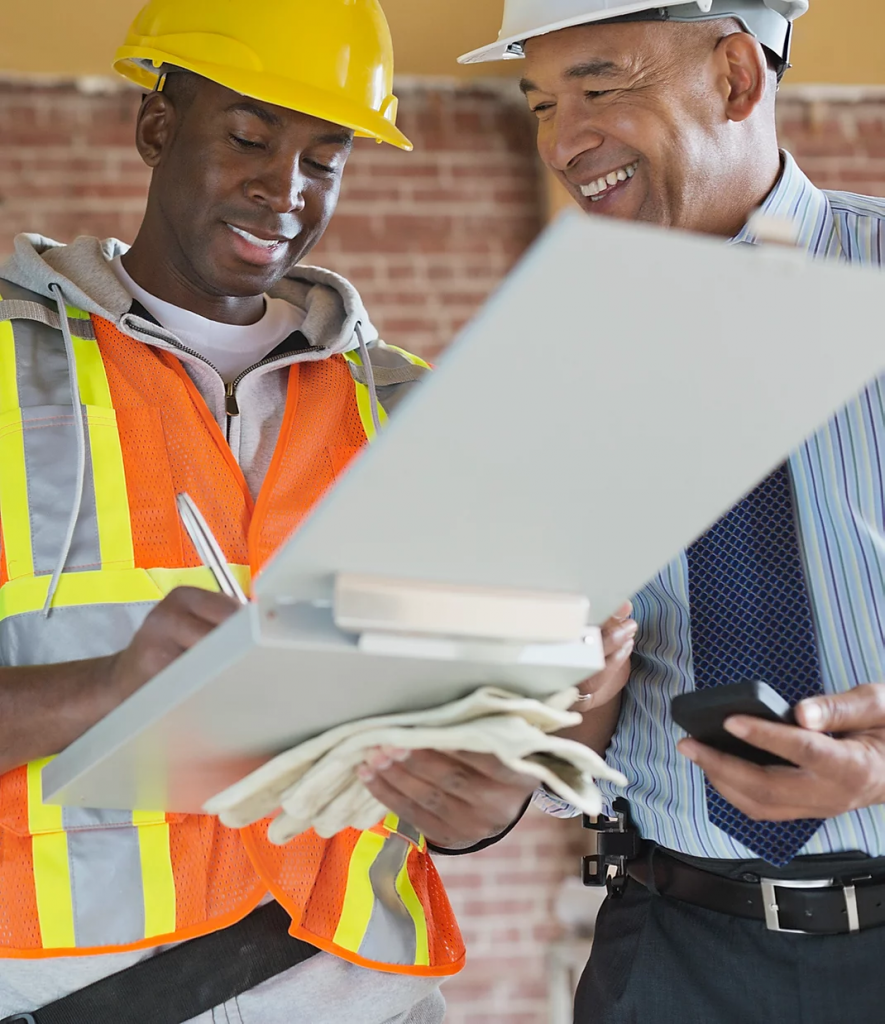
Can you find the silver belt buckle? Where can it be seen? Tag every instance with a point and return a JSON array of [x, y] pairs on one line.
[[772, 911]]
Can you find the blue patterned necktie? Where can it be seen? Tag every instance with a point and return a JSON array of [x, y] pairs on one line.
[[751, 619]]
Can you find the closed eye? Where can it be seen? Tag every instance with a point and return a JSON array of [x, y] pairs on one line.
[[246, 143]]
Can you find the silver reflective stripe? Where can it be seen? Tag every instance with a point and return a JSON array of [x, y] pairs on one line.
[[409, 831], [23, 309], [76, 818], [70, 633], [106, 887], [51, 463], [50, 442], [390, 935], [41, 365]]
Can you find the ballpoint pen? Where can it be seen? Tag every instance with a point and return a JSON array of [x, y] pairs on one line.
[[208, 548]]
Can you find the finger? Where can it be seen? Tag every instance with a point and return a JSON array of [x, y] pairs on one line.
[[765, 793], [456, 791], [810, 750], [624, 612], [761, 809], [615, 635], [208, 605], [858, 709], [457, 778], [410, 810], [174, 628], [437, 812], [598, 690], [487, 766]]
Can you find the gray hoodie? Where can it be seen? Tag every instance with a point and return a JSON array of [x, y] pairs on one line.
[[332, 306], [324, 989]]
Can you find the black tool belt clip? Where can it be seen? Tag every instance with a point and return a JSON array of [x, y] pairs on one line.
[[617, 842]]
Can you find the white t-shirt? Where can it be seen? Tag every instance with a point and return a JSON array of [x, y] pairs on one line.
[[230, 348]]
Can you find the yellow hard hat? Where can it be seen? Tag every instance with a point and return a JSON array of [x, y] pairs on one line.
[[332, 59]]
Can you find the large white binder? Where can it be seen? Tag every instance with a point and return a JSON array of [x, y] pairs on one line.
[[621, 390]]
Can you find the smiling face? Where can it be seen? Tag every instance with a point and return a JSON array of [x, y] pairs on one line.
[[648, 121], [241, 191]]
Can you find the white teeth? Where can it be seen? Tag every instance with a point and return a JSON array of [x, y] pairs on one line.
[[264, 243], [595, 188]]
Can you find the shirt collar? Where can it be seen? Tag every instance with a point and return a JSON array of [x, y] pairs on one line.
[[795, 199]]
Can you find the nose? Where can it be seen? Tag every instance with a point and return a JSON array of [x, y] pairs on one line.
[[280, 185], [567, 136]]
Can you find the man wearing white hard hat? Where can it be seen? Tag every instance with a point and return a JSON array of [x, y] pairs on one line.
[[758, 893]]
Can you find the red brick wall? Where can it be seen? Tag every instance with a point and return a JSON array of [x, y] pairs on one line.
[[425, 237], [503, 899], [839, 144]]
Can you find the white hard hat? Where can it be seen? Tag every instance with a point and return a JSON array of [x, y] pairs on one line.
[[769, 20]]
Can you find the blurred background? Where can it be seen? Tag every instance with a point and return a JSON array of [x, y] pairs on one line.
[[425, 236]]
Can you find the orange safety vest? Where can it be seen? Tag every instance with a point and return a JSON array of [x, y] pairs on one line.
[[79, 882]]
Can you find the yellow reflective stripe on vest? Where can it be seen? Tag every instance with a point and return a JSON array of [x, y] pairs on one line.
[[405, 888], [158, 881], [411, 902], [153, 886], [168, 579], [359, 898], [107, 586], [52, 874], [108, 473], [381, 908], [14, 511], [364, 401]]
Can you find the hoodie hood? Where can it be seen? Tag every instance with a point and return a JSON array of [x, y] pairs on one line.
[[81, 270]]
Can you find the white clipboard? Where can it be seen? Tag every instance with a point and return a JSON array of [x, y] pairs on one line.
[[623, 388]]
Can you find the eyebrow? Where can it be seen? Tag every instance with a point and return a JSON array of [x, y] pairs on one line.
[[256, 111], [586, 69], [342, 138]]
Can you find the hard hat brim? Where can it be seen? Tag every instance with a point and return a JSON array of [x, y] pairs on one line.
[[282, 92], [498, 50]]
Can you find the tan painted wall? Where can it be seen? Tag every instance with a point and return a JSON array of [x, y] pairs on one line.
[[839, 41]]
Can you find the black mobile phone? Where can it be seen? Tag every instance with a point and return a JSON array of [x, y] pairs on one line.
[[702, 714]]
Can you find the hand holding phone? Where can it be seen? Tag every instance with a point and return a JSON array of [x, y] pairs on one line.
[[702, 713]]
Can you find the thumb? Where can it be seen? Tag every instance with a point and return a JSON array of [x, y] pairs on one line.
[[860, 708]]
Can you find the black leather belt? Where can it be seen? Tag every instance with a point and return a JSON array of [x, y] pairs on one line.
[[825, 906]]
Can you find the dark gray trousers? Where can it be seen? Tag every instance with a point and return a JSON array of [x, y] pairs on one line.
[[657, 960]]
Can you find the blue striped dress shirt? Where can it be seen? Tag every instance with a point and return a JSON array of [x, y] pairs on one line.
[[839, 478]]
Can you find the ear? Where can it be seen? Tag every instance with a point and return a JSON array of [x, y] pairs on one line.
[[155, 127], [745, 74]]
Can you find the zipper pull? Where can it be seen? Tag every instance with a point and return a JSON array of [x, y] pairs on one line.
[[231, 407]]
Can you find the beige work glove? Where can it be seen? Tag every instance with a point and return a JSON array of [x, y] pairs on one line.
[[316, 784]]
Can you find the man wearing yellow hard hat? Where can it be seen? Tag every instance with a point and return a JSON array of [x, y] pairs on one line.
[[204, 359]]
